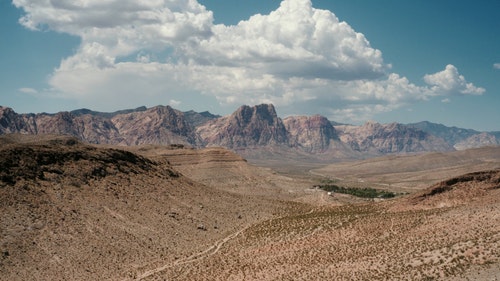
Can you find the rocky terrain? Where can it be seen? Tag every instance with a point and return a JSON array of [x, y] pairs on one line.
[[254, 132], [74, 211]]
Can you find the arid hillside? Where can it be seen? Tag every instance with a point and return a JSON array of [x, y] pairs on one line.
[[371, 241], [72, 211]]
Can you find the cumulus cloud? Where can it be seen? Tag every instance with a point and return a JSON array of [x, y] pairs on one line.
[[449, 81], [496, 65], [303, 59], [296, 40]]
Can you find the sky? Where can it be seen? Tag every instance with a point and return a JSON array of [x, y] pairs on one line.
[[349, 60]]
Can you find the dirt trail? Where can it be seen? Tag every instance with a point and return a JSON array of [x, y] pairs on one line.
[[212, 250]]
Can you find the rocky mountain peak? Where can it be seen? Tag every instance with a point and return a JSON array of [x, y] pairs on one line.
[[246, 127], [261, 114]]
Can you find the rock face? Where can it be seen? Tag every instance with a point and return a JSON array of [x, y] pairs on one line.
[[158, 125], [246, 127], [378, 138], [311, 133]]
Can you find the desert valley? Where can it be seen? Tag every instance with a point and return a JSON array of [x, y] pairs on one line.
[[159, 194]]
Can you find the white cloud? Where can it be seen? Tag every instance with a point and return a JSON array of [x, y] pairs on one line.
[[449, 81], [446, 100], [496, 65], [300, 58], [296, 40], [174, 103], [30, 91], [119, 28]]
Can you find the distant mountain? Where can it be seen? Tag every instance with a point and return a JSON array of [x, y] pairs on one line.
[[159, 125], [451, 135], [375, 138], [199, 118], [459, 138], [85, 111], [254, 131]]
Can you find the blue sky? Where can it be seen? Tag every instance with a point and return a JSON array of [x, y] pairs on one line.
[[352, 61]]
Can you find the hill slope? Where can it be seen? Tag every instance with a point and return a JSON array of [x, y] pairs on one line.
[[72, 211]]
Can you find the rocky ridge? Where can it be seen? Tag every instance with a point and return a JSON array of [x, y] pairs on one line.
[[252, 131], [375, 138], [158, 125], [459, 138]]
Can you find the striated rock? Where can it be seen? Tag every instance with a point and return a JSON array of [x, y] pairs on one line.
[[311, 133], [378, 138], [246, 127]]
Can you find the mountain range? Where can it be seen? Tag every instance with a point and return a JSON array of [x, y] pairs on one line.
[[255, 131]]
